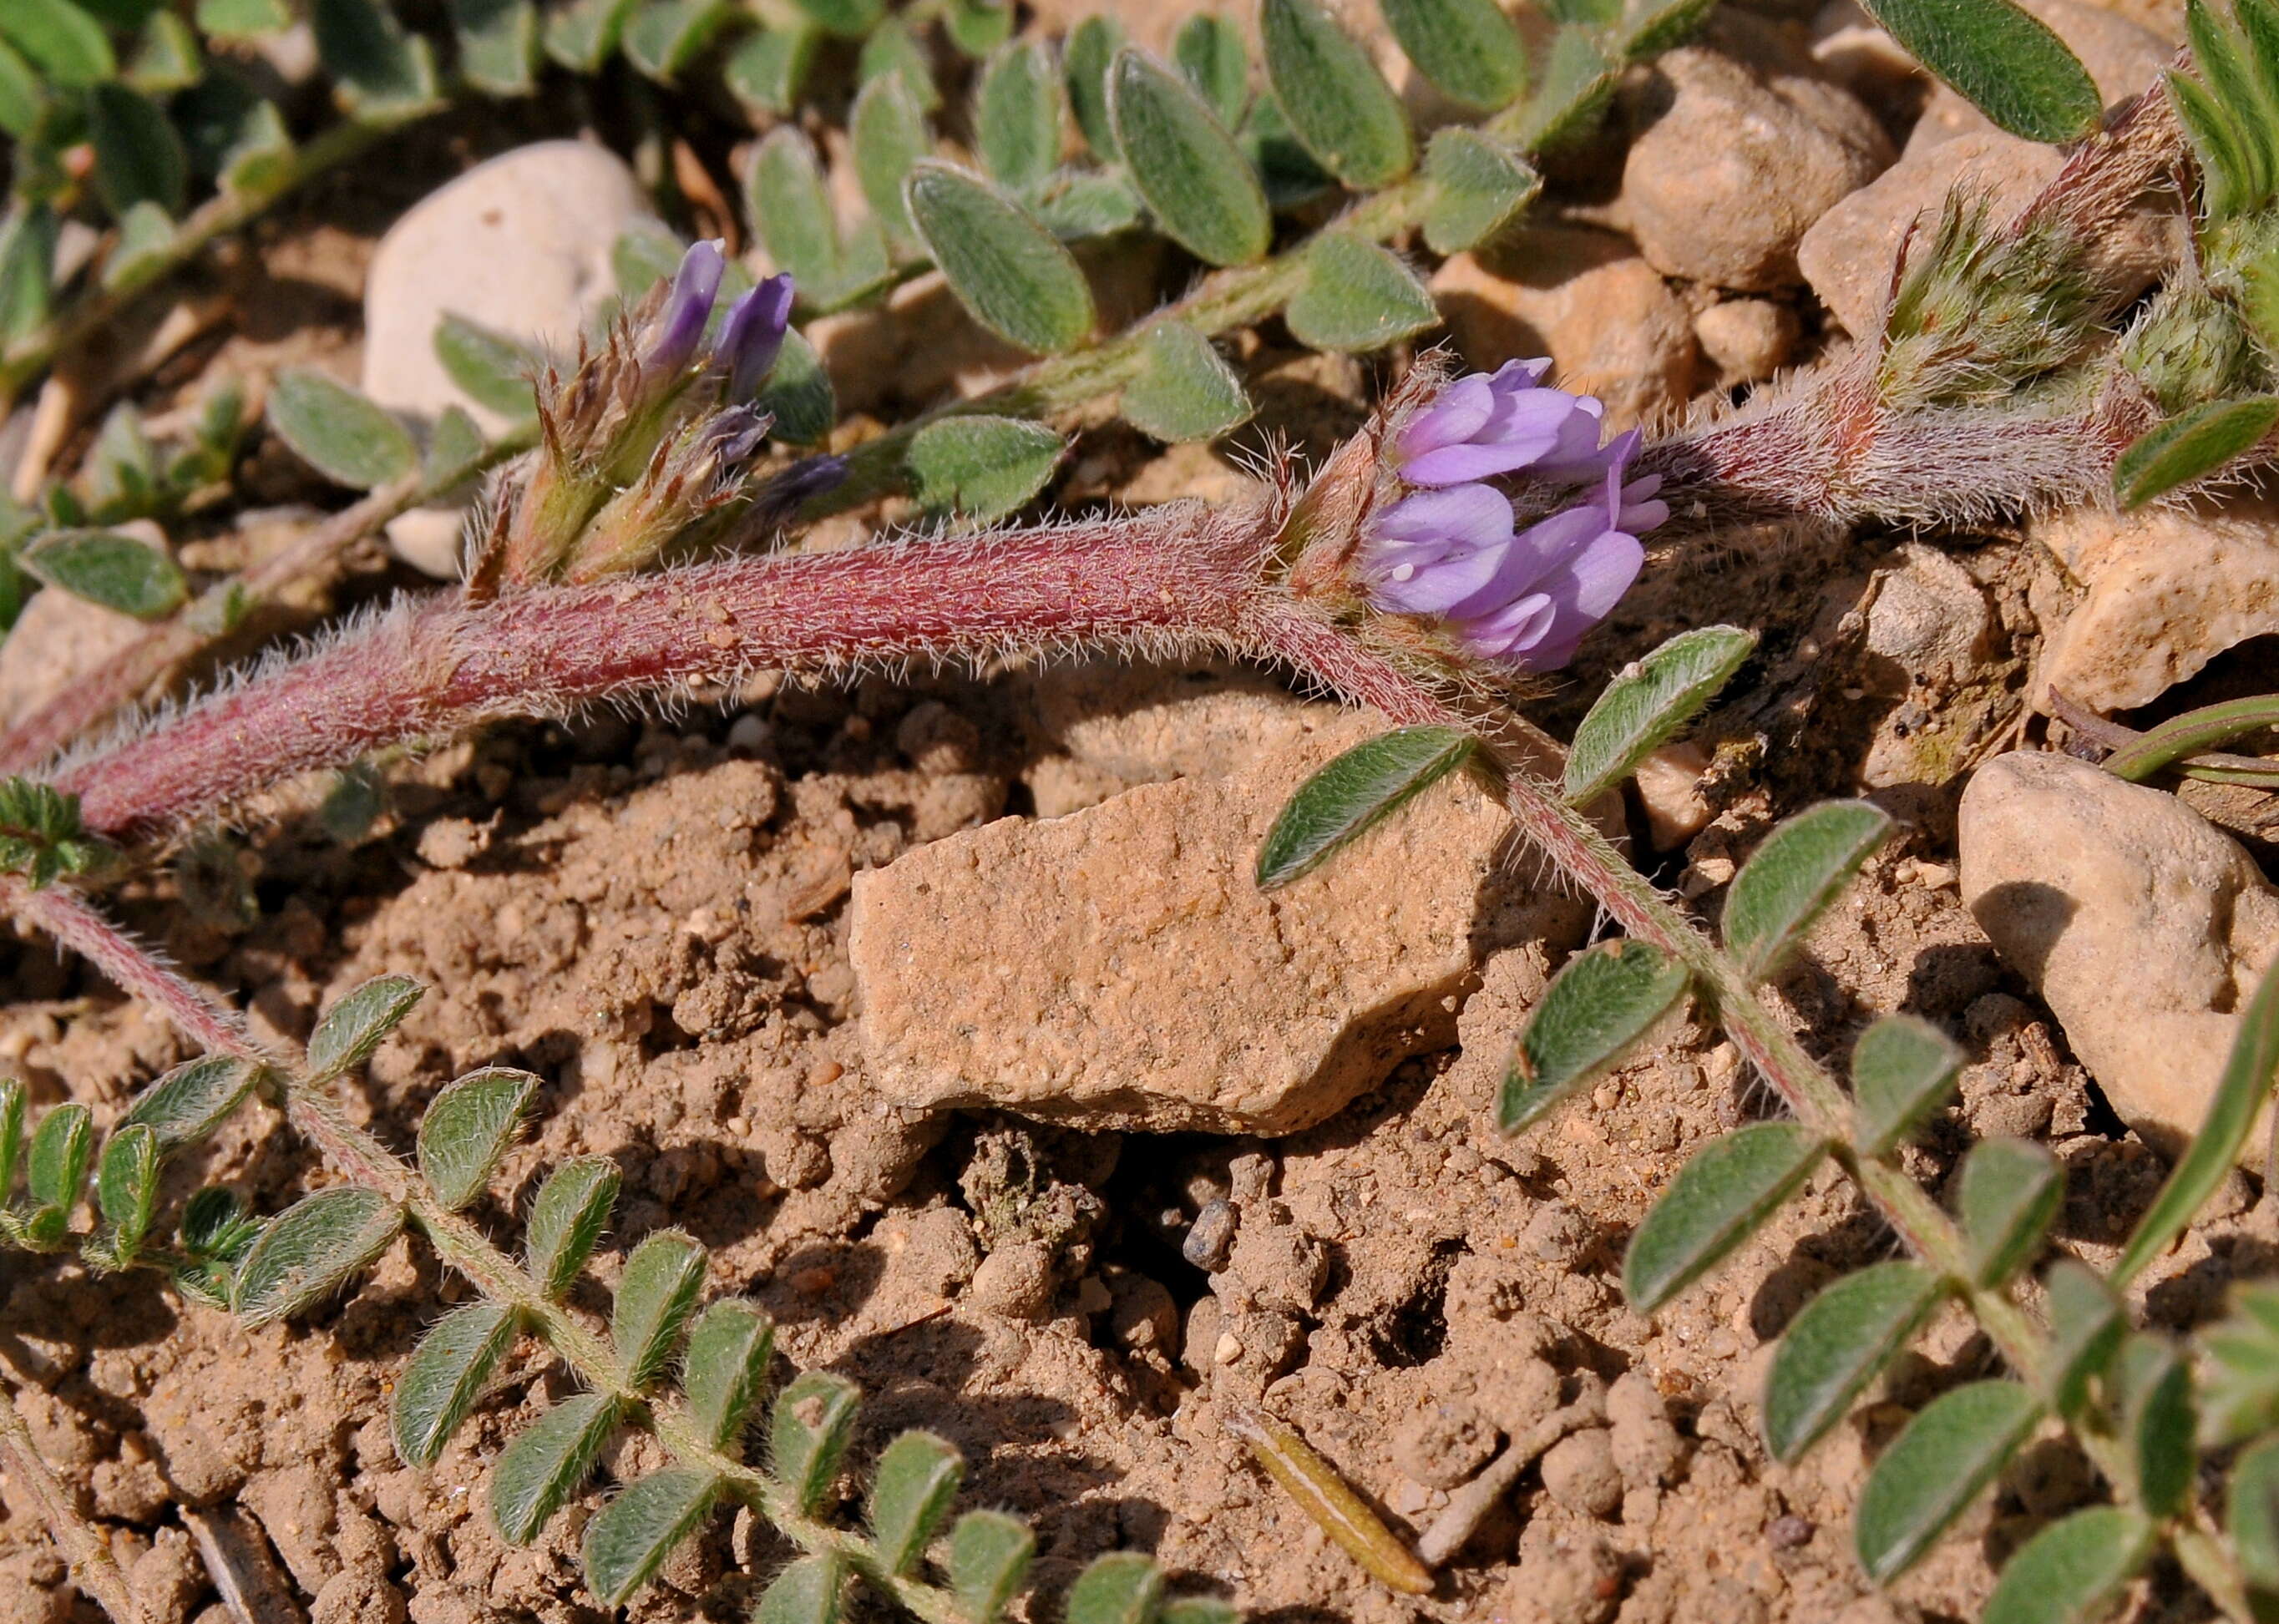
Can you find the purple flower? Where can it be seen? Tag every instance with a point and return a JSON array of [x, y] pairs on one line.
[[752, 334], [1483, 425], [1517, 597], [679, 328]]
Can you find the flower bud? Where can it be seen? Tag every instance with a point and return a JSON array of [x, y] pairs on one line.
[[753, 335], [679, 329]]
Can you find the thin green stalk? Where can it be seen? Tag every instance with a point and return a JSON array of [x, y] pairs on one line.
[[2195, 732], [92, 1569], [30, 356]]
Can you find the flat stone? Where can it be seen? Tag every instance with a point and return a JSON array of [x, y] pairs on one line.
[[1118, 968], [1849, 255], [520, 245], [1584, 297], [2143, 928], [2167, 590], [1737, 164]]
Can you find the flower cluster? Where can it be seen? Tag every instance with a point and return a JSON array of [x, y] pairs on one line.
[[1453, 549]]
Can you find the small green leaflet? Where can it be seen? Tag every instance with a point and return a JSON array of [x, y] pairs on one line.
[[1358, 296], [493, 370], [629, 1539], [1648, 701], [2251, 1515], [1479, 185], [1184, 390], [1902, 1069], [916, 1478], [807, 1435], [2191, 447], [2007, 1196], [982, 467], [447, 1374], [989, 1555], [1353, 793], [2071, 1571], [725, 1368], [193, 1099], [468, 1128], [1467, 48], [309, 1249], [547, 1462], [1932, 1471], [1716, 1201], [1338, 105], [1836, 1347], [1201, 189], [1595, 1011], [2001, 58], [115, 571], [342, 434], [1004, 264], [1794, 874]]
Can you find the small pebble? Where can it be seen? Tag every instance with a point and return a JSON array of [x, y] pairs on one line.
[[1787, 1533], [1210, 1237], [1580, 1474]]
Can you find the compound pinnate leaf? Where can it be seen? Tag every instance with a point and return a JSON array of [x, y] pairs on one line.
[[2069, 1573], [54, 1167], [1716, 1201], [12, 1135], [887, 129], [1208, 49], [989, 1555], [1084, 69], [1338, 105], [1184, 390], [138, 157], [725, 1368], [2001, 59], [916, 1478], [61, 39], [2251, 1515], [1479, 185], [1467, 48], [1796, 873], [116, 572], [2191, 447], [1902, 1069], [381, 69], [1648, 701], [981, 467], [342, 434], [1004, 266], [2239, 1093], [548, 1462], [447, 1372], [493, 370], [630, 1537], [2007, 1196], [1594, 1012], [1017, 116], [1835, 1346], [1357, 295], [1934, 1469], [1353, 793], [1123, 1587], [807, 1435], [812, 1591], [2086, 1326], [567, 1217], [311, 1248], [655, 1296], [358, 1023], [127, 1188], [1201, 189], [2158, 1420]]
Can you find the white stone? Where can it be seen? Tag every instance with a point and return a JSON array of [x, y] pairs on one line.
[[2144, 927]]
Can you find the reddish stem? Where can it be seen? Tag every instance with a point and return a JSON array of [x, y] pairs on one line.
[[1177, 577]]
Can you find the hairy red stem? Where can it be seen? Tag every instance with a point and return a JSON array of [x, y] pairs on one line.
[[1181, 576]]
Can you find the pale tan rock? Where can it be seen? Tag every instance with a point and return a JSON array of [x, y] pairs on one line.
[[2142, 927], [1736, 163], [1118, 968], [1669, 789], [1605, 317], [2122, 55], [1849, 255], [2169, 590], [1748, 339]]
